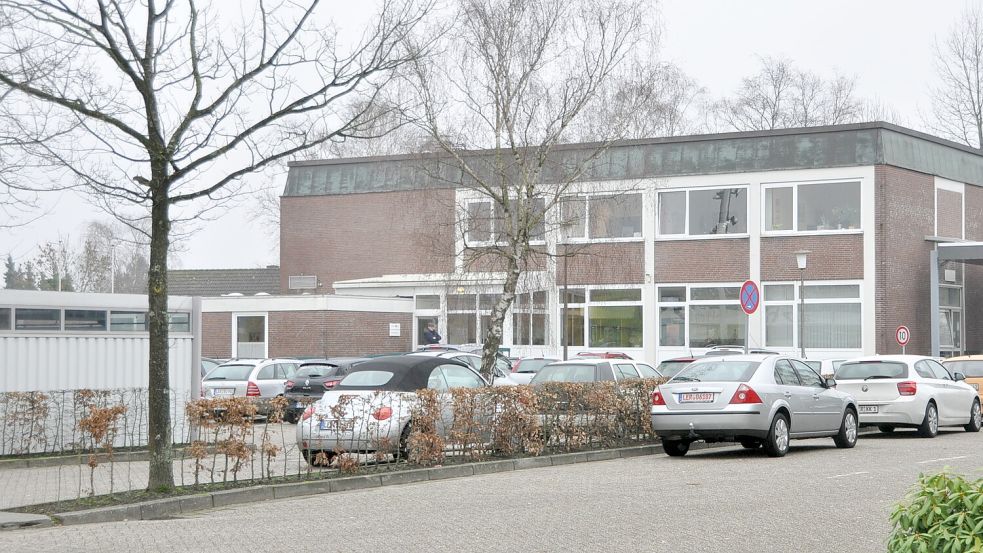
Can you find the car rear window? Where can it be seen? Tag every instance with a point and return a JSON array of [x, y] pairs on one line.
[[565, 373], [862, 370], [532, 365], [971, 369], [718, 371], [669, 369], [366, 379], [230, 372], [316, 370]]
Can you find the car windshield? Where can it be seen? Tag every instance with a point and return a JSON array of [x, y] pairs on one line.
[[316, 371], [230, 372], [717, 371], [971, 369], [532, 365], [867, 370], [565, 373], [366, 379], [671, 368]]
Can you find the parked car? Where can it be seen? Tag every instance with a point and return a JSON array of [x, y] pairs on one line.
[[756, 400], [670, 367], [593, 370], [261, 379], [971, 366], [312, 379], [525, 368], [825, 367], [603, 355], [909, 391], [208, 364], [372, 405], [503, 369]]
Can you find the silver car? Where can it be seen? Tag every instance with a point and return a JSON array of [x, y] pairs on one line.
[[261, 379], [757, 400]]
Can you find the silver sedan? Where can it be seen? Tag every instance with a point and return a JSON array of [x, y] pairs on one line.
[[757, 400]]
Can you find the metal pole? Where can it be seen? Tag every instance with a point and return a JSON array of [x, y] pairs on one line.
[[747, 326], [112, 268], [566, 298], [802, 306]]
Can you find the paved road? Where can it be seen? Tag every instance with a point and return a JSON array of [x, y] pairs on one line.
[[816, 499]]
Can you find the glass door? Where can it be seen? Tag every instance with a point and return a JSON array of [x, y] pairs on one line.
[[250, 337]]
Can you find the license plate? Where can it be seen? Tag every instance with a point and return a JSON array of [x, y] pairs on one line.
[[337, 425], [299, 404], [868, 408], [216, 392], [701, 397]]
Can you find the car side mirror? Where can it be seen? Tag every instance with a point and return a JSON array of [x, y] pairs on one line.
[[830, 382], [958, 377]]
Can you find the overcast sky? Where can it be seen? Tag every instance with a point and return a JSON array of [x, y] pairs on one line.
[[887, 44]]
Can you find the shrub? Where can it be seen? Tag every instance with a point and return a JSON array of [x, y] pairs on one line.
[[943, 513]]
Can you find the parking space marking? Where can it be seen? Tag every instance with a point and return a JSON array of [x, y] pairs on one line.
[[848, 474], [941, 459]]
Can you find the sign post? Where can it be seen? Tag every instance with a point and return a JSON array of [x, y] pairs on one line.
[[750, 298], [902, 335]]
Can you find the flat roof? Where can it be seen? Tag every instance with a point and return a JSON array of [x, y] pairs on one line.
[[859, 144]]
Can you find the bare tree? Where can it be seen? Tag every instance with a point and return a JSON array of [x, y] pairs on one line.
[[783, 96], [517, 75], [957, 98], [176, 104]]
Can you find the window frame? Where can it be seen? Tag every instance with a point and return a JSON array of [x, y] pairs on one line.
[[686, 234], [859, 182], [687, 306], [795, 304], [586, 307], [494, 231], [586, 237]]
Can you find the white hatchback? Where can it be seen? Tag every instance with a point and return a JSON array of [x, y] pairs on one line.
[[909, 391]]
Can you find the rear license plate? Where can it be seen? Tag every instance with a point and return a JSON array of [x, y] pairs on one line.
[[337, 425], [299, 404], [701, 397], [216, 392], [868, 408]]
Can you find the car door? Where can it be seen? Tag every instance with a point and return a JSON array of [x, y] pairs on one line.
[[799, 401], [958, 400], [647, 371], [825, 405], [934, 387], [625, 371], [267, 382], [457, 376]]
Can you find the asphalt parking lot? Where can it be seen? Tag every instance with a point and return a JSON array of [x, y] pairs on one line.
[[816, 499]]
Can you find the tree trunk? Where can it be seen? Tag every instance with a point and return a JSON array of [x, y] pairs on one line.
[[493, 338], [159, 416]]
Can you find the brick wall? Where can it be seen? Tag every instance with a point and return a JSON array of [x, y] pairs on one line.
[[904, 203], [974, 273], [364, 235], [614, 263], [949, 213], [830, 257], [337, 333], [720, 260], [216, 335]]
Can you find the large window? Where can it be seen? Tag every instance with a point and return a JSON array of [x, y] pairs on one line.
[[486, 221], [831, 206], [529, 319], [610, 317], [831, 316], [703, 212], [462, 318], [601, 217], [700, 316]]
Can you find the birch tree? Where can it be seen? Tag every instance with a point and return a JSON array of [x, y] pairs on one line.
[[957, 98]]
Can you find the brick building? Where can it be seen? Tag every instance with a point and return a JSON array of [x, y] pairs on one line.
[[671, 228]]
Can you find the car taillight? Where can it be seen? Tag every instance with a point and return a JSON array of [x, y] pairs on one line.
[[252, 390], [745, 394], [330, 383], [657, 398], [382, 413], [907, 388], [308, 413], [289, 384]]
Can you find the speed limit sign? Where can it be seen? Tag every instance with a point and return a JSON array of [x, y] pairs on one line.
[[902, 335]]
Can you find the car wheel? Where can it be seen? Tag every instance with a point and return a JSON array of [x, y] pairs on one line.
[[675, 448], [886, 428], [403, 451], [290, 418], [975, 418], [315, 460], [750, 443], [847, 437], [930, 424], [776, 444]]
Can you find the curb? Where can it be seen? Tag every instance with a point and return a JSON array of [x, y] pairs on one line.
[[83, 458], [164, 508]]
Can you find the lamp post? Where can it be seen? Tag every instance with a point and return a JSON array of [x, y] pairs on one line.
[[800, 262]]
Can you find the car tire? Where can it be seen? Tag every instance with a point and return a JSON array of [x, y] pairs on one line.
[[291, 418], [675, 448], [403, 450], [885, 428], [847, 437], [777, 442], [975, 418], [929, 428], [311, 456], [750, 443]]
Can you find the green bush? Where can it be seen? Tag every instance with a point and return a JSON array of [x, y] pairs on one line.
[[942, 514]]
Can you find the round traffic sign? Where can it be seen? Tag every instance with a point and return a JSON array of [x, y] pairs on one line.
[[750, 298], [902, 335]]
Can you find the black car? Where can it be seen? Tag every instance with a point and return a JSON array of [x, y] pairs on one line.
[[312, 379]]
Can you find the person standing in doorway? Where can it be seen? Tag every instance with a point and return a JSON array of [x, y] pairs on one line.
[[430, 335]]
